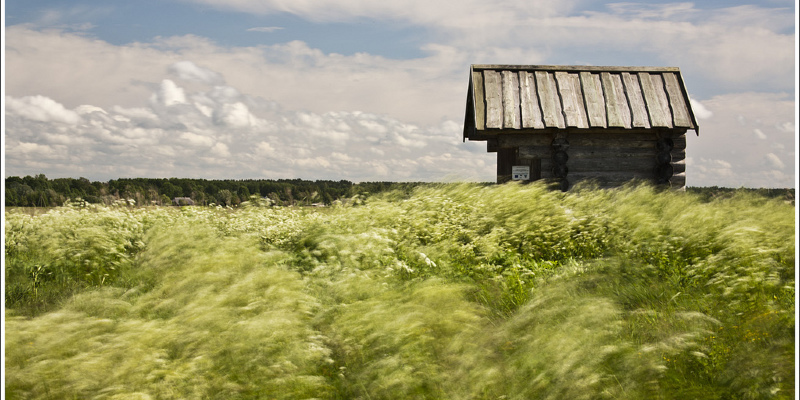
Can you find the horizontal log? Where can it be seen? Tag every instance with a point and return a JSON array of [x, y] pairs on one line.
[[546, 162], [612, 164], [678, 181], [608, 144], [670, 133], [612, 135], [678, 155], [536, 151], [606, 181], [524, 140], [610, 152], [679, 166], [613, 175]]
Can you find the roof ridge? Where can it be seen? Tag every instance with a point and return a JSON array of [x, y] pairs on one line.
[[590, 68]]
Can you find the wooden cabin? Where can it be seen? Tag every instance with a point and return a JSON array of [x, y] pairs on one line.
[[571, 123]]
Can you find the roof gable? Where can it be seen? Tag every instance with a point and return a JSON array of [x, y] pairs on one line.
[[508, 98]]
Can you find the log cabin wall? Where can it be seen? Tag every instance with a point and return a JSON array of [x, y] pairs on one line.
[[568, 124]]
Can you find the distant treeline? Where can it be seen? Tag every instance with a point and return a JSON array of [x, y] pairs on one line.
[[39, 191], [716, 192]]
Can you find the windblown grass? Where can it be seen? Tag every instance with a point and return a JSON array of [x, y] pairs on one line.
[[451, 292]]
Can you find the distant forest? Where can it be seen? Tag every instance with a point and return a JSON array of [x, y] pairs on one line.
[[39, 191]]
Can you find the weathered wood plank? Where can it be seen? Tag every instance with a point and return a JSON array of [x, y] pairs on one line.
[[633, 91], [531, 113], [494, 105], [549, 100], [680, 112], [572, 99], [663, 99], [653, 92], [595, 102], [479, 100], [511, 112], [619, 113]]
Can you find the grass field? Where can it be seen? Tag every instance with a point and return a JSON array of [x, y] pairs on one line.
[[453, 292]]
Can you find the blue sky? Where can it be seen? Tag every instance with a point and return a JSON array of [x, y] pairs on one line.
[[365, 90]]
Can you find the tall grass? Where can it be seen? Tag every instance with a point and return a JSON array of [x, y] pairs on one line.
[[454, 292]]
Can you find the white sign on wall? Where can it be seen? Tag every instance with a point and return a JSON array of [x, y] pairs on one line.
[[520, 172]]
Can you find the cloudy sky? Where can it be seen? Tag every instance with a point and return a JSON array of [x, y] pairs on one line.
[[365, 90]]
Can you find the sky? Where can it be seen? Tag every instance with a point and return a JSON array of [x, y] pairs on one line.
[[365, 90]]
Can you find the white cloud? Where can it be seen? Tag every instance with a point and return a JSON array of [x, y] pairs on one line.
[[141, 114], [32, 148], [237, 115], [700, 111], [773, 161], [272, 105], [267, 29], [196, 140], [169, 94], [736, 151], [421, 12], [41, 109], [179, 140], [87, 109], [221, 150], [264, 149], [190, 71]]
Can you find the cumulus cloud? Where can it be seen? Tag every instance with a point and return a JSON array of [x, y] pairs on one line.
[[241, 137], [169, 94], [700, 111], [415, 11], [734, 150], [41, 109], [278, 107], [736, 45], [190, 71]]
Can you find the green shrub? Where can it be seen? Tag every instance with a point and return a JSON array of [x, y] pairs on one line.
[[451, 291]]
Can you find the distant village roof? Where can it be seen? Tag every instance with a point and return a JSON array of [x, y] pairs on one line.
[[531, 98]]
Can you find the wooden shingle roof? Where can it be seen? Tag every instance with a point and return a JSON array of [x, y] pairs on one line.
[[530, 98]]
